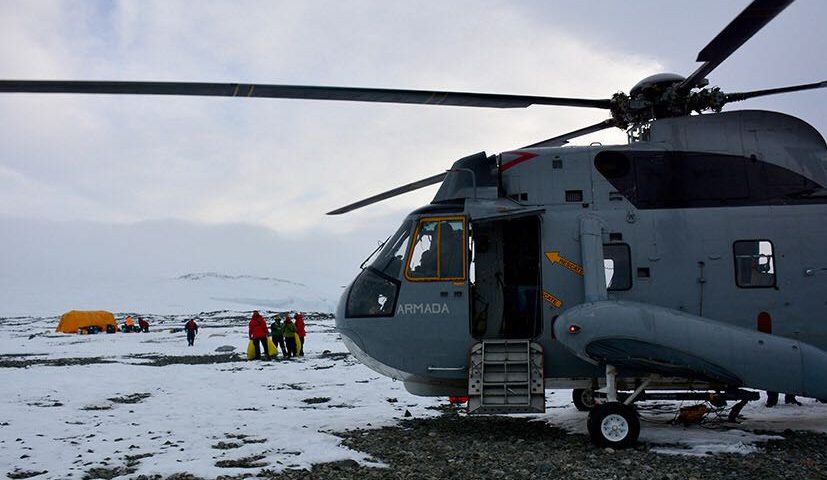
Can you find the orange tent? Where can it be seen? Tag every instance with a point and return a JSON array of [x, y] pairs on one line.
[[72, 321]]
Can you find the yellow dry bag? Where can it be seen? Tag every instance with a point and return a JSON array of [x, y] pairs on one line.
[[271, 347]]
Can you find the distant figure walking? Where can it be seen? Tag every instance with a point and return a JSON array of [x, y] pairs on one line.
[[300, 331], [143, 324], [192, 329], [130, 324], [258, 334], [290, 337], [277, 332], [765, 326]]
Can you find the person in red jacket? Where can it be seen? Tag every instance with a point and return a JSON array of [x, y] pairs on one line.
[[192, 329], [300, 331], [258, 334]]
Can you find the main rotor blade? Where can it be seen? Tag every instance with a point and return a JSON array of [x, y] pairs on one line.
[[563, 139], [355, 94], [390, 193], [740, 29], [734, 97]]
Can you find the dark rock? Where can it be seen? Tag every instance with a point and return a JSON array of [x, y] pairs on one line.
[[348, 464]]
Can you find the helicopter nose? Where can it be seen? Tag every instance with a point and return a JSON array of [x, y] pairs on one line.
[[347, 328], [367, 343]]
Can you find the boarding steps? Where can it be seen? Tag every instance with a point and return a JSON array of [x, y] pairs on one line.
[[506, 376]]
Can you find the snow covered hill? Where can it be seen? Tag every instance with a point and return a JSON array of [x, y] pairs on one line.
[[187, 293]]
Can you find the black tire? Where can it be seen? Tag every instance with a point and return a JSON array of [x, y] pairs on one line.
[[614, 425], [583, 399]]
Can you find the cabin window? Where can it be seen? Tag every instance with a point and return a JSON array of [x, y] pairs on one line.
[[754, 263], [438, 251], [574, 195], [617, 264], [672, 179]]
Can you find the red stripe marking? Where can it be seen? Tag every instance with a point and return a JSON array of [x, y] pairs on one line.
[[521, 157]]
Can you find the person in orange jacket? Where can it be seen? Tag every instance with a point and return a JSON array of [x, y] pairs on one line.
[[300, 331], [258, 334]]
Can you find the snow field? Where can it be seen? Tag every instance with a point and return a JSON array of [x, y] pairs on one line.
[[66, 423], [200, 417]]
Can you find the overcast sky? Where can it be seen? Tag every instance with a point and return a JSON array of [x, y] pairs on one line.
[[214, 171]]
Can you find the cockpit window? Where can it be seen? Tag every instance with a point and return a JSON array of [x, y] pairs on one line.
[[375, 290], [372, 295], [438, 251], [390, 259]]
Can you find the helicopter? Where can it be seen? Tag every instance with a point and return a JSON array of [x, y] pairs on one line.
[[684, 264]]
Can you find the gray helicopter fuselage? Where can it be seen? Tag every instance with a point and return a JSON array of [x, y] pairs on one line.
[[718, 217]]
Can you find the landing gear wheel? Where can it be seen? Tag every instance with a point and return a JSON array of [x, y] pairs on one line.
[[583, 399], [614, 425]]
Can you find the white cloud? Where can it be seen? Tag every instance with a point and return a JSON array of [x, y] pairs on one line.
[[281, 163]]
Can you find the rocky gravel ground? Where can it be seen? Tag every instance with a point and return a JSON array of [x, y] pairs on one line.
[[460, 447]]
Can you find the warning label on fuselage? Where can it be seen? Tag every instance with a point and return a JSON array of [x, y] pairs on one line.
[[554, 301]]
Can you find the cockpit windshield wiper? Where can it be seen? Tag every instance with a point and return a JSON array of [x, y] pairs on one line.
[[381, 244]]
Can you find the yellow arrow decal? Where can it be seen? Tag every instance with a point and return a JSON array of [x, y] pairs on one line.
[[555, 257], [554, 301]]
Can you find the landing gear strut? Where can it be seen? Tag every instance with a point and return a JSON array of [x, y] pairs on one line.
[[615, 424]]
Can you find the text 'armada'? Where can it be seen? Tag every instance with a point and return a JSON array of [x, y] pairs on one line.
[[422, 308]]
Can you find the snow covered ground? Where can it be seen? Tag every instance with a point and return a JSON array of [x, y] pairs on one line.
[[157, 407], [68, 419]]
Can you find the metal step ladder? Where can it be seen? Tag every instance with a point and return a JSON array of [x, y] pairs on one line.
[[506, 376]]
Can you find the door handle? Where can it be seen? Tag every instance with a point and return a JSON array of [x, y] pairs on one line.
[[446, 369]]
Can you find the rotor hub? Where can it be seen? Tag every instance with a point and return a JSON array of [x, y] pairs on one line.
[[656, 82], [663, 95]]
